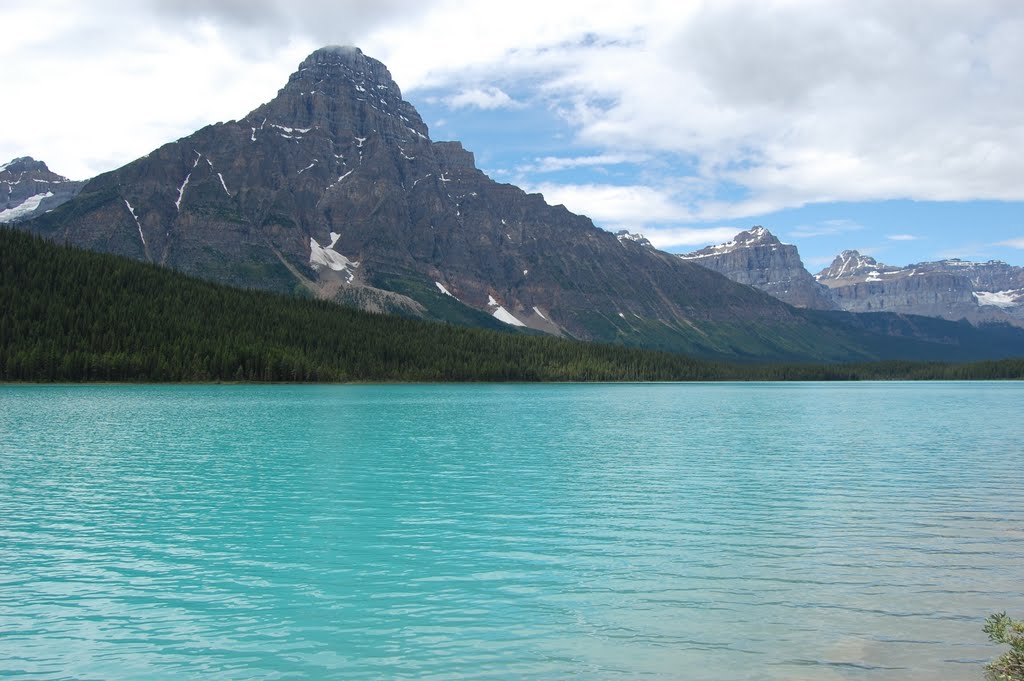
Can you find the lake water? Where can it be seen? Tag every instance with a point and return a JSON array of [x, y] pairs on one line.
[[696, 531]]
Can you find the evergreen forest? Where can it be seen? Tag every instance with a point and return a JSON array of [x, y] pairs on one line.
[[68, 315]]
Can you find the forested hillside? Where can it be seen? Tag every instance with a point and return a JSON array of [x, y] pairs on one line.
[[72, 315], [75, 315]]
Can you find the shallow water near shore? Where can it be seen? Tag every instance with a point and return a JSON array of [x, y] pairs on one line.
[[667, 531]]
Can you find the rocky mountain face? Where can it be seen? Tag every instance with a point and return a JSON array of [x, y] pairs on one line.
[[28, 188], [335, 189], [948, 289], [757, 258], [951, 289]]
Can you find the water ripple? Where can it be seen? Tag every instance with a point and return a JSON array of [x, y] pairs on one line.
[[750, 531]]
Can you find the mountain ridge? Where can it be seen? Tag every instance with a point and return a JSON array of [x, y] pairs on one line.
[[334, 188], [951, 289]]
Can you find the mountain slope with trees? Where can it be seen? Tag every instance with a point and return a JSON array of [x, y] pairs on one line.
[[73, 315]]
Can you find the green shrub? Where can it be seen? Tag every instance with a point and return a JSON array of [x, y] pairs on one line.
[[1010, 665]]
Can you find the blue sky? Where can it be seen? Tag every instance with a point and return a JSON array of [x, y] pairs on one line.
[[890, 128]]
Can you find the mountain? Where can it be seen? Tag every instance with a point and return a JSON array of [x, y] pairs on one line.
[[757, 258], [951, 289], [334, 189], [73, 315], [852, 264], [28, 188]]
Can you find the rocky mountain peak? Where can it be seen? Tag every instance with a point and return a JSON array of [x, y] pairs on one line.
[[345, 63], [850, 263], [757, 258], [757, 235], [28, 187], [24, 164], [342, 92], [624, 235]]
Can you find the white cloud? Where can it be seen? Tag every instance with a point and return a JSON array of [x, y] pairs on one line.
[[637, 208], [93, 109], [1013, 243], [902, 237], [674, 237], [550, 164], [613, 206], [851, 101], [791, 102], [482, 98]]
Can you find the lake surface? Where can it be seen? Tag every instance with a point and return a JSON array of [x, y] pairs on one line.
[[696, 531]]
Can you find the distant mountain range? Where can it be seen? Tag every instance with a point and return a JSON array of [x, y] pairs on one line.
[[334, 189], [979, 292]]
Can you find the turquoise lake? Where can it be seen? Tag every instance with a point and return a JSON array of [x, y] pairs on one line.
[[667, 531]]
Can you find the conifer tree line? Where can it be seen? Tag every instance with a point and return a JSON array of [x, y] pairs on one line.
[[68, 315]]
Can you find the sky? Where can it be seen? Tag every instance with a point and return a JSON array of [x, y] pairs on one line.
[[892, 128]]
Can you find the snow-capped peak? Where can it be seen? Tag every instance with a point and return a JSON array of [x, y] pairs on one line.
[[755, 236], [625, 235], [852, 264]]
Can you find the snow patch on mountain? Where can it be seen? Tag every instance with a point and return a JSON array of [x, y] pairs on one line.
[[26, 207], [320, 256], [137, 223], [503, 315], [181, 192], [1000, 298], [290, 130]]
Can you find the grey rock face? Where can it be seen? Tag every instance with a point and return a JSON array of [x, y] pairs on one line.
[[757, 258], [994, 275], [28, 188], [951, 289]]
